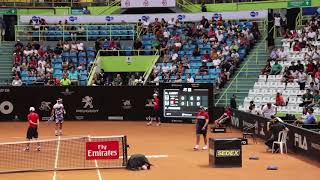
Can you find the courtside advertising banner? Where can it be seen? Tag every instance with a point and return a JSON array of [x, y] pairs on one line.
[[147, 3], [133, 18], [102, 150]]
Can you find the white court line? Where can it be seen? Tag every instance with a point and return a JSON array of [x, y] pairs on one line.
[[96, 163], [56, 161]]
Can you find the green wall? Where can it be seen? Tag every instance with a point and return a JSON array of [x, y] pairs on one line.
[[48, 11], [119, 63]]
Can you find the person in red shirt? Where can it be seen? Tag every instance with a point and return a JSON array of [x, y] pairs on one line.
[[202, 122], [156, 111], [32, 133], [226, 116]]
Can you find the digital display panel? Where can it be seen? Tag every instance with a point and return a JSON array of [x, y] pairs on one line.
[[184, 102]]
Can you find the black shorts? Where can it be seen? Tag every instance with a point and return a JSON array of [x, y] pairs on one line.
[[199, 127], [32, 133], [156, 113]]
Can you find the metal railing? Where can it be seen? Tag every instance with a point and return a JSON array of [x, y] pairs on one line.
[[97, 62], [55, 3], [68, 32], [253, 59]]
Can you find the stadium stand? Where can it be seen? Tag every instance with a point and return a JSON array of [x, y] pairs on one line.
[[206, 52], [291, 71]]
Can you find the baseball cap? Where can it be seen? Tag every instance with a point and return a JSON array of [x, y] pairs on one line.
[[32, 109], [155, 94]]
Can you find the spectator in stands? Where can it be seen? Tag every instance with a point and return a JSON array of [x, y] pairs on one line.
[[65, 81], [299, 66], [310, 118], [196, 52], [276, 68], [2, 29], [16, 69], [267, 69], [313, 88], [269, 110], [117, 81], [224, 118], [280, 100], [178, 79], [203, 69], [233, 102], [74, 76], [316, 99], [281, 54], [190, 79], [296, 46], [16, 81], [275, 127], [254, 110], [317, 76], [307, 99], [302, 79]]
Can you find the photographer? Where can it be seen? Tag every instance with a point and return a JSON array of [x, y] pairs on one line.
[[275, 126]]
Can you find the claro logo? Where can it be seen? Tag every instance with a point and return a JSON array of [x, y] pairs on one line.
[[228, 153], [300, 141]]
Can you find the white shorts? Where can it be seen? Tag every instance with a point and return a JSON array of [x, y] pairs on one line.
[[59, 120]]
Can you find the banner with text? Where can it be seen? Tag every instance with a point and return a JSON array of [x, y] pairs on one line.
[[185, 17], [147, 3]]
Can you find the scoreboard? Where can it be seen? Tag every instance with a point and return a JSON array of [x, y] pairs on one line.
[[184, 102]]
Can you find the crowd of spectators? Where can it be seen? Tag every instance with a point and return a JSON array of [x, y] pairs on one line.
[[118, 79], [35, 62], [305, 71], [223, 38]]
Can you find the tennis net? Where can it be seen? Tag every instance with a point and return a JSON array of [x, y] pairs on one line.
[[64, 153]]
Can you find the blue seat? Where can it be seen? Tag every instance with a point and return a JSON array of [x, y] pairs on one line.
[[83, 72], [83, 83], [90, 54], [89, 49], [73, 55], [82, 54], [57, 66]]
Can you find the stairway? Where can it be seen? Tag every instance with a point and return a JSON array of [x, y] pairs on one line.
[[5, 62], [245, 76]]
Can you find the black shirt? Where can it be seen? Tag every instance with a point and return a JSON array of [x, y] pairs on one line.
[[276, 128]]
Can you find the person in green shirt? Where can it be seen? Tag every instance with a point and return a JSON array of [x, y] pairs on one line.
[[316, 99], [276, 68], [307, 99], [65, 81]]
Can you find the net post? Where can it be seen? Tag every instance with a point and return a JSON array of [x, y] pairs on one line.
[[124, 150]]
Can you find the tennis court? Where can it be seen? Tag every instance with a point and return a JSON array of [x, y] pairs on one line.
[[170, 150]]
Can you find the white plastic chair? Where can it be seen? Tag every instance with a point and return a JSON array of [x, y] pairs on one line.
[[282, 141]]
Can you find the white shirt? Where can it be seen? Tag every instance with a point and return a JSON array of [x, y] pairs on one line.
[[146, 24], [277, 21], [41, 69], [220, 37], [43, 62], [302, 77], [16, 69], [216, 62], [166, 34], [266, 112], [80, 46], [312, 34], [190, 80], [16, 82], [165, 69], [171, 23]]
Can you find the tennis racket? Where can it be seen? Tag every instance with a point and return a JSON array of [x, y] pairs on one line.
[[50, 120]]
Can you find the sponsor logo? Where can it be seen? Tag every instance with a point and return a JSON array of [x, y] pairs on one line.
[[228, 153], [117, 118], [146, 3], [145, 18], [300, 141], [87, 105], [73, 18], [102, 150], [87, 100], [217, 15], [67, 92], [181, 17], [315, 146], [35, 18], [248, 125], [164, 3], [127, 3], [126, 104], [244, 141], [4, 90], [6, 107], [79, 117], [177, 121], [235, 121], [109, 18], [254, 13], [45, 106]]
